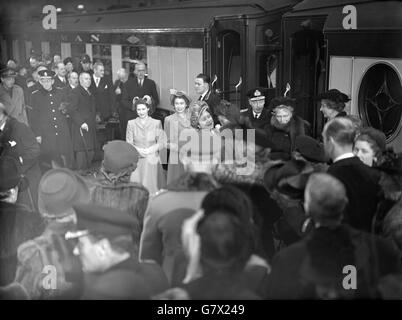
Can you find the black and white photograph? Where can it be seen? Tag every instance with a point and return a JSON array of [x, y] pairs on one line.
[[221, 151]]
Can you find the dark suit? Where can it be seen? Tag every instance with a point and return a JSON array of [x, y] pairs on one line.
[[132, 89], [213, 100], [362, 189], [60, 84], [82, 110], [263, 120], [104, 97]]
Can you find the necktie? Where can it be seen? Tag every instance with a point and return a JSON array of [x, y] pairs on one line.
[[97, 81], [140, 83]]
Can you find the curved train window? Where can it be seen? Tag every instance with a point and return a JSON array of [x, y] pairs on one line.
[[380, 99]]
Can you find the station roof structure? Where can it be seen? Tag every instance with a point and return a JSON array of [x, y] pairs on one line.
[[191, 16]]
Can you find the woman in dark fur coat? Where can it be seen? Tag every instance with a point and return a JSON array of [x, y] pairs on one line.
[[285, 126]]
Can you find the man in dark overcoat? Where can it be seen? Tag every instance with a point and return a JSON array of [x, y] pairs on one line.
[[49, 123], [82, 111], [361, 181]]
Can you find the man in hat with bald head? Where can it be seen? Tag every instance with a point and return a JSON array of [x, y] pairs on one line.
[[314, 267], [49, 123], [111, 269], [12, 95]]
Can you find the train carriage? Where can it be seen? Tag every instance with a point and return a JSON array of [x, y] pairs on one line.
[[358, 50]]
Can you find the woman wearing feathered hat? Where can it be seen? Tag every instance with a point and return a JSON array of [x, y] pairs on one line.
[[174, 124], [147, 136], [285, 126]]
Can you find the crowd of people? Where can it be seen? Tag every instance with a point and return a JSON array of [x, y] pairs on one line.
[[212, 202]]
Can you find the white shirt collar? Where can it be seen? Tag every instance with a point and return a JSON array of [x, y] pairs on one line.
[[61, 78], [204, 94], [2, 126], [345, 156], [256, 114]]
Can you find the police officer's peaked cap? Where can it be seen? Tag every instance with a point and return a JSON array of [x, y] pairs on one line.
[[46, 74], [256, 94], [7, 72], [100, 220]]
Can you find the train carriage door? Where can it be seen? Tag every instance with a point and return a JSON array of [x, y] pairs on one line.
[[227, 58], [229, 64], [308, 61]]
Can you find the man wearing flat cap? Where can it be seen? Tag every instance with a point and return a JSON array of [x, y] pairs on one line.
[[258, 115], [49, 123], [111, 270], [12, 95]]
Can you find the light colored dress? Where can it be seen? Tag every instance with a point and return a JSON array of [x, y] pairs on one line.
[[148, 138], [174, 125]]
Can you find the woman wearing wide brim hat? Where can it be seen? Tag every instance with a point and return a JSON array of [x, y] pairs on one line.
[[333, 103]]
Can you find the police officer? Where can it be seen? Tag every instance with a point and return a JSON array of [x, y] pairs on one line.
[[111, 270], [49, 124]]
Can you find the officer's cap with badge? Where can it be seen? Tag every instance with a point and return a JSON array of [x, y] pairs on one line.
[[46, 74], [102, 221], [255, 94]]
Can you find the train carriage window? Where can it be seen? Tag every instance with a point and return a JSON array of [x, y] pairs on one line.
[[131, 54], [380, 99], [267, 65], [102, 53]]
